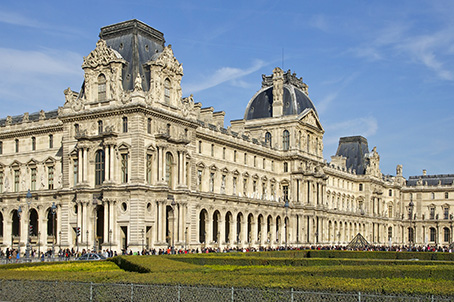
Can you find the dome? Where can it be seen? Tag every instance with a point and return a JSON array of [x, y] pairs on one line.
[[293, 92]]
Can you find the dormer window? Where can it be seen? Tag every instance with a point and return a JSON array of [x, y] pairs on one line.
[[101, 88], [167, 91]]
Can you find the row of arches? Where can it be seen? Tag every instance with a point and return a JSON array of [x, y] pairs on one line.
[[34, 224], [240, 228]]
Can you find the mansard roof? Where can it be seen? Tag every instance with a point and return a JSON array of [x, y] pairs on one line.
[[431, 180], [354, 149], [137, 43]]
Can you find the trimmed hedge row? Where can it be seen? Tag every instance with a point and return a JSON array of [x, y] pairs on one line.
[[130, 266], [379, 255], [261, 261]]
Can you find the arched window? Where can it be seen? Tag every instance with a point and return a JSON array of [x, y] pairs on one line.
[[286, 140], [51, 222], [285, 167], [101, 88], [268, 139], [167, 91], [99, 167], [169, 163]]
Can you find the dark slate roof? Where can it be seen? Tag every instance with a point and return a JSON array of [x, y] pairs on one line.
[[431, 180], [354, 148], [137, 43], [32, 117], [295, 100]]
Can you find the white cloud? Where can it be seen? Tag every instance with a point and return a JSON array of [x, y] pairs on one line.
[[365, 126], [14, 61], [340, 84], [17, 19], [222, 75]]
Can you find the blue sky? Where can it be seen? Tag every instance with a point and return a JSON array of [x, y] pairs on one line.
[[382, 69]]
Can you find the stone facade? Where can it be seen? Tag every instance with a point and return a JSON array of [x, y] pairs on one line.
[[128, 163]]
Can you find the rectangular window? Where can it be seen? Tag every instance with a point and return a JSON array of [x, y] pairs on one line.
[[223, 184], [211, 182], [263, 163], [446, 213], [254, 186], [360, 187], [16, 180], [199, 179], [200, 147], [212, 150], [245, 187], [390, 211], [234, 185], [285, 192], [76, 171], [1, 181], [223, 153], [17, 145], [432, 213], [447, 235], [33, 143], [255, 161], [149, 126], [125, 124], [50, 178], [1, 147], [33, 179], [51, 141], [273, 191], [390, 193], [245, 158], [263, 190], [446, 195], [124, 168], [149, 169], [272, 165], [234, 156]]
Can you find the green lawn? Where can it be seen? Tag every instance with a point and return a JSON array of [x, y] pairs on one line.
[[270, 270]]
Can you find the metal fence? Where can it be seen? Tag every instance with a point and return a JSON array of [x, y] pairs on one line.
[[12, 290]]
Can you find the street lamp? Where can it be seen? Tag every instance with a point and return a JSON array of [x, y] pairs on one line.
[[95, 204], [39, 244], [53, 208], [19, 212], [285, 221], [142, 231], [29, 200], [110, 240], [410, 206]]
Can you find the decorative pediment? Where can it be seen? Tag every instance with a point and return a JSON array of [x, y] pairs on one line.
[[32, 163], [236, 172], [151, 149], [309, 118], [15, 164], [166, 60], [50, 161], [264, 178], [213, 168], [123, 147], [246, 174], [225, 170], [255, 176], [101, 55], [201, 165]]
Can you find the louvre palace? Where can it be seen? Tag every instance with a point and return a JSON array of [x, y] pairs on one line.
[[128, 162]]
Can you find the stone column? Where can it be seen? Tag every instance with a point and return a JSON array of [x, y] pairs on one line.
[[80, 164], [106, 222], [158, 221], [112, 163], [85, 172], [106, 152]]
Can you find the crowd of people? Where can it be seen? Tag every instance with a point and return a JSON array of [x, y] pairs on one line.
[[13, 255]]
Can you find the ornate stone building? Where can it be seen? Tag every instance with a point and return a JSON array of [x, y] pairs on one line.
[[127, 162]]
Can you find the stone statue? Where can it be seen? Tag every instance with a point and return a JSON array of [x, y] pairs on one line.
[[138, 83]]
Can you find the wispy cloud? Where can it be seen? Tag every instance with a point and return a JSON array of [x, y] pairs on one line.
[[18, 19], [222, 75], [340, 84], [365, 126], [401, 40]]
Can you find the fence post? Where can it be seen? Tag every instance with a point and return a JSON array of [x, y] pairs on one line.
[[132, 292], [359, 296], [433, 298], [232, 293], [179, 293], [291, 294], [91, 291]]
